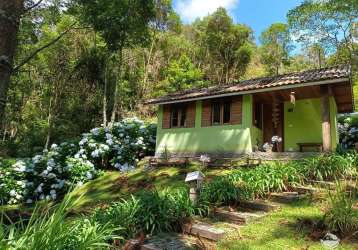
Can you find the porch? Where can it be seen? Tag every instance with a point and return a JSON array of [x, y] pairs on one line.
[[304, 117]]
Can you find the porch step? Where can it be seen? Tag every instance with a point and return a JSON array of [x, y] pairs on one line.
[[259, 205], [204, 230], [286, 197], [238, 217]]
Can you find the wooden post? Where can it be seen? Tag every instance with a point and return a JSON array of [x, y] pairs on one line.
[[326, 124]]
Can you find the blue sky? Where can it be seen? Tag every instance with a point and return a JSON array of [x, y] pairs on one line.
[[258, 14]]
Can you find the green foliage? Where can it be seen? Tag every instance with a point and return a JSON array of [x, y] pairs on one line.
[[330, 167], [48, 176], [148, 212], [275, 47], [278, 177], [80, 171], [341, 217], [258, 182], [180, 75], [49, 228], [12, 184], [348, 131], [329, 23], [228, 43], [121, 23]]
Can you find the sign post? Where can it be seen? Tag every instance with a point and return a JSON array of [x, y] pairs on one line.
[[195, 180]]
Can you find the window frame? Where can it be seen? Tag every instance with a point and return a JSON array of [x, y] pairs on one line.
[[181, 110], [221, 104]]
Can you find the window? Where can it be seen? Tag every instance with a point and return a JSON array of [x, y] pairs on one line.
[[178, 116], [258, 115], [227, 112], [216, 110], [221, 112]]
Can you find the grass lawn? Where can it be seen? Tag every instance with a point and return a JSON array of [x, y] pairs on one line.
[[278, 230], [281, 230], [113, 185]]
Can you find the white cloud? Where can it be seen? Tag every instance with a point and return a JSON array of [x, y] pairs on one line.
[[189, 10]]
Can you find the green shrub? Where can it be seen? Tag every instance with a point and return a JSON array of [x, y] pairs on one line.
[[330, 167], [148, 212], [348, 131], [257, 182], [12, 187], [219, 190], [47, 176], [80, 171], [341, 217], [49, 229]]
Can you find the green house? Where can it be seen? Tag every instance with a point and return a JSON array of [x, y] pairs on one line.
[[239, 118]]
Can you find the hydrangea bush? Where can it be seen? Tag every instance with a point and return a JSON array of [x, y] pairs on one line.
[[348, 131], [12, 187], [120, 146], [49, 175]]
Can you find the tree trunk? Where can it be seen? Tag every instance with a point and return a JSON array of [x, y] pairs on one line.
[[146, 69], [105, 98], [10, 13], [116, 90], [319, 59]]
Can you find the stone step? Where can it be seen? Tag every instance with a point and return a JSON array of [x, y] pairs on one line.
[[307, 189], [204, 230], [323, 184], [286, 197], [168, 241], [260, 205], [238, 217], [348, 185]]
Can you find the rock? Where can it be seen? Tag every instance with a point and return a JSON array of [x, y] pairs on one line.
[[169, 241], [204, 230], [132, 244], [150, 246], [237, 217]]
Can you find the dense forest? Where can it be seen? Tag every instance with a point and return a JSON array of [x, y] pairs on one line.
[[67, 66]]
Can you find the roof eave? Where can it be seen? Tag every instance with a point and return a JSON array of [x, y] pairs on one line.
[[253, 91]]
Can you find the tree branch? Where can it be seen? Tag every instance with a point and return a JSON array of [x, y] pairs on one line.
[[32, 6], [34, 53]]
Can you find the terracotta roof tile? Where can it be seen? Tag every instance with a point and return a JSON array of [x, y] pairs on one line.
[[336, 72]]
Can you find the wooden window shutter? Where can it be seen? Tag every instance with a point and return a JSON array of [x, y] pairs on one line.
[[206, 113], [166, 116], [190, 112], [236, 110]]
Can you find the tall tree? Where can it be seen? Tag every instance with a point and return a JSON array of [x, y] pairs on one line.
[[331, 23], [11, 12], [316, 54], [275, 47], [166, 20], [122, 24], [228, 44], [180, 75]]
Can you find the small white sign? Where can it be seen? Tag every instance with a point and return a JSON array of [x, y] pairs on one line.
[[194, 176]]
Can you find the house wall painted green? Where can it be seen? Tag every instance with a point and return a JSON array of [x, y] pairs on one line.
[[302, 125], [233, 139]]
